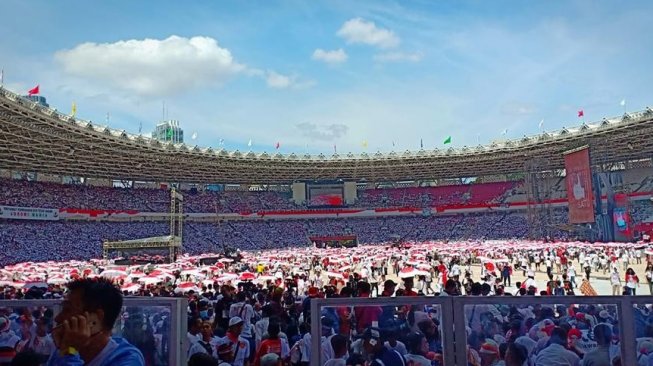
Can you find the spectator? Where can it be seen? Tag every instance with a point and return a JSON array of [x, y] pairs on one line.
[[85, 324]]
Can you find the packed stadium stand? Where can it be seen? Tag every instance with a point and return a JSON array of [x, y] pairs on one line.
[[52, 195], [62, 240]]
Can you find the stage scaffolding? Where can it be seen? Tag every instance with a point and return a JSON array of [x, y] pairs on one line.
[[539, 181], [172, 242]]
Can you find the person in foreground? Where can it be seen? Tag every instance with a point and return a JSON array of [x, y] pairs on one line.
[[83, 331]]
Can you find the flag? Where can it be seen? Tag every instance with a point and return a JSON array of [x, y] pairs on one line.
[[277, 146], [194, 136], [447, 140], [581, 113], [221, 142], [249, 143], [109, 117], [140, 127], [393, 144], [623, 102], [541, 124], [73, 111], [364, 144], [33, 91], [335, 150], [421, 143], [504, 132]]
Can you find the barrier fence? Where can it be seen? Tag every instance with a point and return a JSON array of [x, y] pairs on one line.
[[630, 317], [156, 326]]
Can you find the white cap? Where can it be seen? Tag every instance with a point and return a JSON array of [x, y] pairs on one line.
[[235, 321]]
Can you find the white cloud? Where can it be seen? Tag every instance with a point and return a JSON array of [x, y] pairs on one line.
[[329, 132], [278, 81], [330, 57], [358, 30], [152, 67], [398, 57]]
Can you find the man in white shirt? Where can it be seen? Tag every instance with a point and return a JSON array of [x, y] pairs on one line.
[[615, 281], [207, 344], [244, 311]]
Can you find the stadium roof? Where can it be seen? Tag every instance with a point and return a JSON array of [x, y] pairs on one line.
[[34, 138]]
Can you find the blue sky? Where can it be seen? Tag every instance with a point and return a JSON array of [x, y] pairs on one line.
[[311, 74]]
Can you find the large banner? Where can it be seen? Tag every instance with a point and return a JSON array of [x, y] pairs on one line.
[[28, 213], [579, 187]]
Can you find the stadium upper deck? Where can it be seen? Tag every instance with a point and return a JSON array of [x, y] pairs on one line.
[[38, 139]]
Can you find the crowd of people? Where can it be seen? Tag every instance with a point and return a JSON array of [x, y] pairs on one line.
[[26, 240], [24, 193], [242, 312]]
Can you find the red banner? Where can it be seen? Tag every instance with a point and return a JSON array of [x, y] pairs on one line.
[[579, 187]]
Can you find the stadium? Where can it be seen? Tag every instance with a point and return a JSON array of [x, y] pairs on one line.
[[60, 201], [326, 183]]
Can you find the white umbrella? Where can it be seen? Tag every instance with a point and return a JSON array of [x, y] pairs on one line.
[[112, 273], [150, 280]]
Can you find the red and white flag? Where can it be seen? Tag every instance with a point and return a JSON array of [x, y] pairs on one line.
[[581, 113], [33, 91]]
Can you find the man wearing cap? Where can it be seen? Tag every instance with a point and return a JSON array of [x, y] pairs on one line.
[[489, 353], [232, 347], [379, 355], [244, 311]]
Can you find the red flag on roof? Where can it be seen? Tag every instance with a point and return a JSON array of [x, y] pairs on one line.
[[581, 113], [33, 91]]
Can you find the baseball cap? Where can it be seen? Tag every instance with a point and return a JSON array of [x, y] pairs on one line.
[[270, 359], [235, 321], [489, 347]]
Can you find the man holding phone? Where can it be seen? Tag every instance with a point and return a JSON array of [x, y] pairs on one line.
[[84, 326]]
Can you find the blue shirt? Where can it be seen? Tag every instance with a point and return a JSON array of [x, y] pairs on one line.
[[118, 352]]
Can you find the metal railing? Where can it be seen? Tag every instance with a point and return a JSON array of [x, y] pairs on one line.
[[177, 342], [453, 322]]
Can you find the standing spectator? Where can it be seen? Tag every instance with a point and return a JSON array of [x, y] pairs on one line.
[[207, 344], [632, 282], [649, 277], [615, 281], [233, 348]]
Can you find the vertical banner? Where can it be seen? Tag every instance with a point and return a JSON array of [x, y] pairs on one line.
[[579, 186], [621, 218]]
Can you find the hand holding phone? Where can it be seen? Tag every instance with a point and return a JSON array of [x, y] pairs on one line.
[[76, 331]]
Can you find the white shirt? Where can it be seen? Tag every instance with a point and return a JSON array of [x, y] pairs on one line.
[[246, 314], [615, 279], [240, 349], [400, 347]]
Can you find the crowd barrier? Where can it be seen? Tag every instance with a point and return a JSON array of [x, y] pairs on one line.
[[631, 318], [157, 326]]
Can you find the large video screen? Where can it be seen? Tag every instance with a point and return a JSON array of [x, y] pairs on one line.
[[325, 195]]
